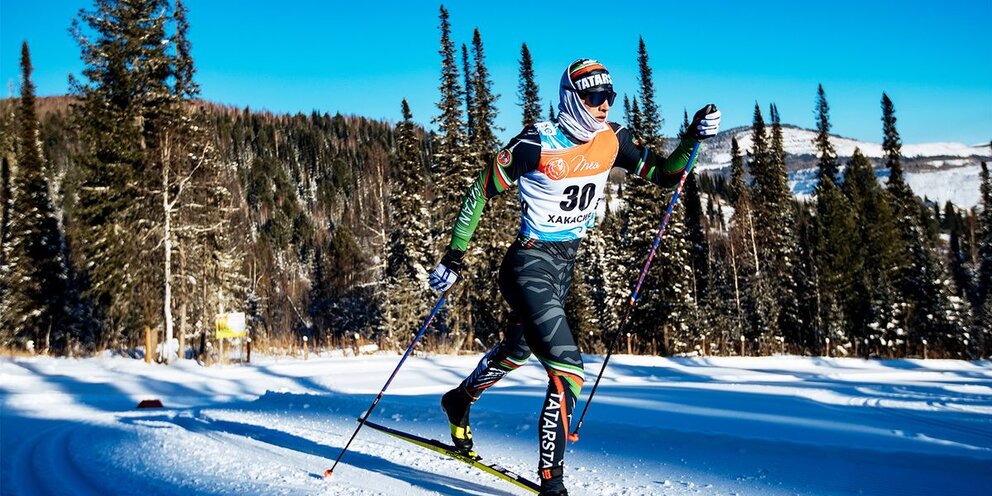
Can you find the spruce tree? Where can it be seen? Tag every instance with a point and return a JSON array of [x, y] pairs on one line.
[[778, 229], [36, 307], [834, 250], [552, 116], [123, 108], [651, 124], [892, 147], [497, 228], [453, 170], [667, 290], [530, 97], [917, 281], [827, 156], [407, 252], [873, 307], [766, 304]]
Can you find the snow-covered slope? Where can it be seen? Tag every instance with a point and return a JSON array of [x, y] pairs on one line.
[[798, 141], [939, 171], [693, 426]]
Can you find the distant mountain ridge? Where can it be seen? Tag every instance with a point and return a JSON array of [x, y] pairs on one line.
[[940, 171]]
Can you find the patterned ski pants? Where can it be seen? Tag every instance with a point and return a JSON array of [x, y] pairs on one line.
[[534, 279]]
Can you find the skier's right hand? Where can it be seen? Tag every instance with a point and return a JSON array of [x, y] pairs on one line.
[[445, 274], [706, 123]]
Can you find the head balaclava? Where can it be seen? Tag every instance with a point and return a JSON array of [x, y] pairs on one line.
[[581, 77]]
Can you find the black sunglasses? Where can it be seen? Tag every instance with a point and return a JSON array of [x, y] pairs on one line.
[[597, 98]]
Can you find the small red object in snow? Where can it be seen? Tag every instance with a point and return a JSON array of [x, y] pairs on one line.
[[150, 404]]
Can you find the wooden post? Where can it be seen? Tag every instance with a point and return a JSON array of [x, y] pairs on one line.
[[924, 349], [306, 352], [629, 349], [742, 345], [702, 352], [220, 346], [248, 354], [148, 345], [828, 346]]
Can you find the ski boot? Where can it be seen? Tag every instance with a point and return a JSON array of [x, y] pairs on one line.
[[552, 483], [456, 404]]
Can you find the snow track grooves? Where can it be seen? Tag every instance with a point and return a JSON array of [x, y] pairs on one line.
[[680, 427], [46, 465]]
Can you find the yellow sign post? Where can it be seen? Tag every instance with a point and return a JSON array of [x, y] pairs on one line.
[[230, 325]]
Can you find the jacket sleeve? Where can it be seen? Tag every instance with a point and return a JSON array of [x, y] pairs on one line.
[[519, 156], [647, 164]]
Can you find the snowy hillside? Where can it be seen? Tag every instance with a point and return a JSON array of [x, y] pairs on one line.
[[702, 426], [939, 171], [799, 141]]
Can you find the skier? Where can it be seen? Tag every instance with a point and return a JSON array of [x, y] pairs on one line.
[[561, 170]]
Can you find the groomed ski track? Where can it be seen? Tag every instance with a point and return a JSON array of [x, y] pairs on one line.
[[707, 426]]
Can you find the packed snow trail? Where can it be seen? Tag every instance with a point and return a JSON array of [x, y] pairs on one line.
[[692, 426]]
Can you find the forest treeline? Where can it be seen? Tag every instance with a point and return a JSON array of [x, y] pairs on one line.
[[131, 203]]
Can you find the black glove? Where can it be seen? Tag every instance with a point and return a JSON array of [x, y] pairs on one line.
[[444, 276], [706, 123]]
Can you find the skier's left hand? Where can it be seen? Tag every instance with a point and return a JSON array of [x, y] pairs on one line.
[[444, 276], [706, 123]]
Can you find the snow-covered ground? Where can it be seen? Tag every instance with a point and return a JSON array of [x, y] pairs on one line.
[[709, 426]]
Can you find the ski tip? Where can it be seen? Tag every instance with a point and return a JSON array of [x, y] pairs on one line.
[[573, 437], [328, 473]]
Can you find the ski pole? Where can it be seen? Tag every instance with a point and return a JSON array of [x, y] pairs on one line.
[[361, 422], [632, 301]]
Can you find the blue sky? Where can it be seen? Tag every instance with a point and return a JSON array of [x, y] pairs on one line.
[[932, 58]]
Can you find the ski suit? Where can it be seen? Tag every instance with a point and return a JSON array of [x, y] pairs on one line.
[[562, 187]]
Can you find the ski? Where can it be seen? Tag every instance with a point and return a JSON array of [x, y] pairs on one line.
[[465, 457]]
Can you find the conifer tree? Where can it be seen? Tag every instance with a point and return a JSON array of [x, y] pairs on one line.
[[552, 116], [833, 253], [873, 308], [36, 307], [766, 305], [778, 229], [651, 123], [917, 282], [123, 108], [530, 97], [408, 249], [827, 156], [449, 162], [496, 230], [453, 170], [892, 147], [667, 291]]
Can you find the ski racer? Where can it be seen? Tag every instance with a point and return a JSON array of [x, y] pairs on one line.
[[560, 169]]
